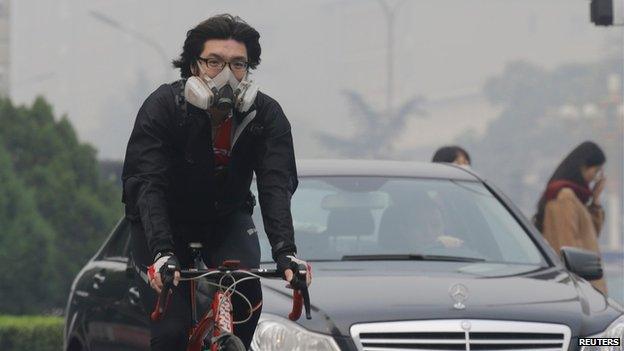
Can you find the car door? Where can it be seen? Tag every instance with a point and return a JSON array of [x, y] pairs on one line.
[[115, 322]]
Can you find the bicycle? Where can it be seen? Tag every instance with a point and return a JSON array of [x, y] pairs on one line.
[[214, 330]]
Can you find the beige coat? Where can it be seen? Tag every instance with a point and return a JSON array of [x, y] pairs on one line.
[[568, 222]]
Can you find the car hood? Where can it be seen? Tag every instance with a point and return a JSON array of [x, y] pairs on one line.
[[345, 293]]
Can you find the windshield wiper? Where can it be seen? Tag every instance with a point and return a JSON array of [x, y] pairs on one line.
[[410, 257]]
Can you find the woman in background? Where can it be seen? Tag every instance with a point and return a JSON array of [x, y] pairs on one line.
[[452, 154], [569, 212]]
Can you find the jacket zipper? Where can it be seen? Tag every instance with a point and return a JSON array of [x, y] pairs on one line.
[[241, 128]]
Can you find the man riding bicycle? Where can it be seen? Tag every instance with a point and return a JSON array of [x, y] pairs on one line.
[[188, 169]]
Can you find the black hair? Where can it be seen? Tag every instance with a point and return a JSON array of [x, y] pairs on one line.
[[223, 26], [587, 154], [449, 154]]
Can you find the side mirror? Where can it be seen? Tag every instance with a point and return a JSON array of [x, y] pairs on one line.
[[584, 263]]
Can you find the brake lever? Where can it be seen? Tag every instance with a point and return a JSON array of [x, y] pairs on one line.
[[306, 301]]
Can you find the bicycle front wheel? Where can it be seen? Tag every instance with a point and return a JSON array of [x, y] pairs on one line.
[[231, 343]]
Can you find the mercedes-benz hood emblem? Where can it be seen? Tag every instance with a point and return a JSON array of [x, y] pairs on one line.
[[459, 294]]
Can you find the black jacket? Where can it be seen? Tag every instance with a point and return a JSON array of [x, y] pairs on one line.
[[169, 181]]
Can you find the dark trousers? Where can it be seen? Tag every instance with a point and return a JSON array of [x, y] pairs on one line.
[[233, 237]]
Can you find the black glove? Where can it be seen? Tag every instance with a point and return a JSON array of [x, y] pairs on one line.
[[170, 267], [290, 261], [166, 264]]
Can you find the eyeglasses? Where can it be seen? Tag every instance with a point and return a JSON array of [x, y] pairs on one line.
[[217, 64]]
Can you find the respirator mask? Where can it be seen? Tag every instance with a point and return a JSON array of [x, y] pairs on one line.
[[223, 91]]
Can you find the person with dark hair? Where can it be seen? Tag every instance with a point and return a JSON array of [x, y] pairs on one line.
[[188, 169], [423, 229], [452, 154], [569, 211]]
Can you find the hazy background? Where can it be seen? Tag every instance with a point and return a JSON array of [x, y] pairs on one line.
[[312, 50], [517, 82]]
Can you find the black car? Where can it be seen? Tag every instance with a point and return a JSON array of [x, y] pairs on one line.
[[405, 256]]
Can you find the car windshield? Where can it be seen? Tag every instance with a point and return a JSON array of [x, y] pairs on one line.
[[338, 218]]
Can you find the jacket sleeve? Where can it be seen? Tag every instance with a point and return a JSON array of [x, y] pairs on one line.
[[598, 217], [146, 174], [276, 175], [561, 222]]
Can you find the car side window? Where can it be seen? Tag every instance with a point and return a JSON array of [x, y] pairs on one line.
[[117, 246]]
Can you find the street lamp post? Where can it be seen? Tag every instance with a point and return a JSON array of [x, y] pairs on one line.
[[390, 13], [5, 48]]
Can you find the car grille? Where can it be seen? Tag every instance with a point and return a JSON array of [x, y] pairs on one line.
[[460, 334]]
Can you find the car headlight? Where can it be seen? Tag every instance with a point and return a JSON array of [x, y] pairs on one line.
[[615, 330], [274, 333]]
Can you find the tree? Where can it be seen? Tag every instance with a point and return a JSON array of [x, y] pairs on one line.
[[69, 196], [25, 246], [376, 132]]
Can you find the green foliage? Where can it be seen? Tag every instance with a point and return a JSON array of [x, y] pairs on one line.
[[25, 244], [31, 333], [55, 209]]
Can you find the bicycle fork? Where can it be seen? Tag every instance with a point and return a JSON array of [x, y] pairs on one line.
[[224, 319], [219, 320]]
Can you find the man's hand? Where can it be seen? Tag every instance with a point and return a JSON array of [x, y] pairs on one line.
[[284, 263], [163, 265]]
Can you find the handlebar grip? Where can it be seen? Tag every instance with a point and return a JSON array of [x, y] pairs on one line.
[[167, 273], [162, 303], [155, 316], [295, 314]]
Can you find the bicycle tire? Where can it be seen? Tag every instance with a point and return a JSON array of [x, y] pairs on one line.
[[231, 343]]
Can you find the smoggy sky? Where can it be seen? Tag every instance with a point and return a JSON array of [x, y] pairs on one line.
[[312, 51]]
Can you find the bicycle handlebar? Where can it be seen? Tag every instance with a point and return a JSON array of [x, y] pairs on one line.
[[301, 295]]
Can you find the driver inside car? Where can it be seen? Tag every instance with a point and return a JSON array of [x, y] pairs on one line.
[[413, 222]]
